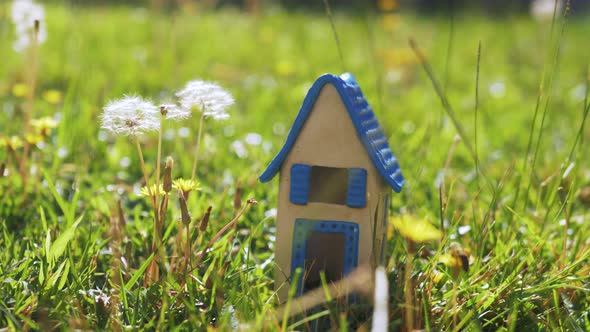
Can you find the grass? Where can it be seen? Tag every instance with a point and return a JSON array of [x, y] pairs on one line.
[[527, 240]]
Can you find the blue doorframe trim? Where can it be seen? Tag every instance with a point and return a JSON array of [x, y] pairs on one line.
[[302, 229]]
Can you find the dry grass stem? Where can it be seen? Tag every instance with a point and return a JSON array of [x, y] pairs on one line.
[[229, 225]]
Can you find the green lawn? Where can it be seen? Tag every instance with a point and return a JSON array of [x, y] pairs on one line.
[[527, 208]]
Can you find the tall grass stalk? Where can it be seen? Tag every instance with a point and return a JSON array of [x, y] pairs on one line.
[[335, 32], [579, 141], [447, 75], [446, 104], [555, 66], [28, 112], [476, 111]]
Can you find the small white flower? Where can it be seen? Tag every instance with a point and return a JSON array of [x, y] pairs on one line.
[[130, 115], [24, 15], [240, 149], [173, 112], [253, 139], [209, 98]]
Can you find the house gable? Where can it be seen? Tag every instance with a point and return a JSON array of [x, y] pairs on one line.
[[364, 122]]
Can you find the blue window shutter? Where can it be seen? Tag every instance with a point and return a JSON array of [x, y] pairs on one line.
[[356, 196], [300, 175]]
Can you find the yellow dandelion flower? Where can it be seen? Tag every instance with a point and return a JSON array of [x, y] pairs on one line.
[[13, 142], [34, 138], [20, 90], [151, 192], [53, 96], [415, 229], [44, 125], [185, 185]]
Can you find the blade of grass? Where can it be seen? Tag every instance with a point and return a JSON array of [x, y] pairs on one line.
[[445, 102], [476, 109], [335, 32], [555, 66], [139, 272]]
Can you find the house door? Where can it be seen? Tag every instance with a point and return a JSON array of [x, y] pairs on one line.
[[319, 246]]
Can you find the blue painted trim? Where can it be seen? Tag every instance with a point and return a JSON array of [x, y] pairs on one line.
[[364, 120], [299, 186], [356, 196], [301, 231]]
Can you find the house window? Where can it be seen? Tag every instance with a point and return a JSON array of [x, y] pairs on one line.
[[328, 185], [332, 185]]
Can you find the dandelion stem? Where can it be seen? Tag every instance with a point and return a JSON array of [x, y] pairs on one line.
[[159, 157], [187, 253], [197, 148], [144, 171]]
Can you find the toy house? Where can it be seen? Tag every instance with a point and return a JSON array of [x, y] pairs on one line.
[[336, 174]]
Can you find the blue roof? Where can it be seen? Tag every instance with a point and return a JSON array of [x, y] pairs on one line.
[[364, 120]]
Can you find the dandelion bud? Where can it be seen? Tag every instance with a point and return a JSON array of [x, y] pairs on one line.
[[168, 174], [163, 110], [122, 221], [184, 215], [584, 196], [238, 197], [205, 220], [223, 268]]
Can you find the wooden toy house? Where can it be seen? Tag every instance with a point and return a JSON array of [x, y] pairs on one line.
[[336, 174]]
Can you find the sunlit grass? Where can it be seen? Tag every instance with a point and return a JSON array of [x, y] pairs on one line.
[[528, 255]]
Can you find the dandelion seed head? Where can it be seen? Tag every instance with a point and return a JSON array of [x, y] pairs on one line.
[[209, 98], [173, 112], [131, 115], [24, 14]]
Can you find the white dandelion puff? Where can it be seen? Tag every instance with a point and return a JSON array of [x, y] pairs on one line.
[[173, 112], [209, 98], [24, 15], [130, 115]]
